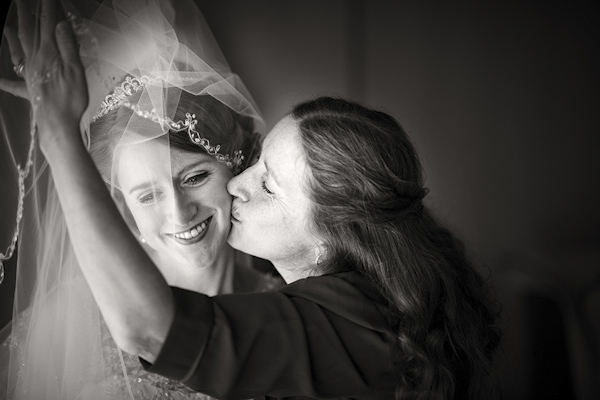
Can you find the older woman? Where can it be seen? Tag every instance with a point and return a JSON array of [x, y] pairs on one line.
[[381, 300]]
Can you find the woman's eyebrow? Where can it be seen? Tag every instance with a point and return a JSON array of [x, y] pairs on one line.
[[272, 174]]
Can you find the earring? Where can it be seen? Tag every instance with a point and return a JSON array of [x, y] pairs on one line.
[[142, 239], [320, 252]]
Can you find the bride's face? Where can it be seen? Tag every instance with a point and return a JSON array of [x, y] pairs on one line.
[[178, 199]]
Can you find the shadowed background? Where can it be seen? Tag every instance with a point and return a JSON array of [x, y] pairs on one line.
[[503, 102]]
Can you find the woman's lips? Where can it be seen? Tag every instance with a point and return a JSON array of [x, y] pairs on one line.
[[234, 215]]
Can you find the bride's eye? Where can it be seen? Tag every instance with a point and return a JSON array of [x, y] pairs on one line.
[[148, 198], [196, 179]]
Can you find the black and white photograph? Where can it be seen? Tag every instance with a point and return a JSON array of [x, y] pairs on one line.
[[277, 199]]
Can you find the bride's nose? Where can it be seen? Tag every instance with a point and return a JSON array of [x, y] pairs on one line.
[[182, 208]]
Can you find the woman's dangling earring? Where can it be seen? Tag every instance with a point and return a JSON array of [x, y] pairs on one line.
[[142, 239]]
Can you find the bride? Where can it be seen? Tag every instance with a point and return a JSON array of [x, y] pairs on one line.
[[168, 126]]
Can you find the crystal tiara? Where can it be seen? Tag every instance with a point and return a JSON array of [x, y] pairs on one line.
[[132, 85], [120, 93]]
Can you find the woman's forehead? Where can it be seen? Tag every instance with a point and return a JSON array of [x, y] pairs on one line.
[[284, 155], [284, 137]]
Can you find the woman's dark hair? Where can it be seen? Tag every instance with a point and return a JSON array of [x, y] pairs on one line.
[[366, 185]]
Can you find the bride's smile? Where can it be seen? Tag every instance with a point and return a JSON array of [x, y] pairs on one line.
[[193, 235], [177, 199]]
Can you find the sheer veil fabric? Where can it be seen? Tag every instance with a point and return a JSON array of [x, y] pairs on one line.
[[57, 346]]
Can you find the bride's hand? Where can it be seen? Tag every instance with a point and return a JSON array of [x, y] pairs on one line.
[[16, 88], [53, 72]]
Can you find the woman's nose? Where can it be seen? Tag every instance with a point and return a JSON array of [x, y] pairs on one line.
[[183, 208], [237, 186]]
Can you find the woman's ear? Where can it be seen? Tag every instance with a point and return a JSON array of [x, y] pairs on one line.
[[320, 253]]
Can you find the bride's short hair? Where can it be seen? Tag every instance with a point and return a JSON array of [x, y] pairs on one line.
[[215, 122]]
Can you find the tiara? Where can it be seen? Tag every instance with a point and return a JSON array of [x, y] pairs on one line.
[[132, 85], [188, 125], [120, 93]]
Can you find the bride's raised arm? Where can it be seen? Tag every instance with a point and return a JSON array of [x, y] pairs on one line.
[[133, 296]]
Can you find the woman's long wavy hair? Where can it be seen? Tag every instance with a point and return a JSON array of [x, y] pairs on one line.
[[367, 188]]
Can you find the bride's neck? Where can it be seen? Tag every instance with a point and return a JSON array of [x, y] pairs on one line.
[[212, 279]]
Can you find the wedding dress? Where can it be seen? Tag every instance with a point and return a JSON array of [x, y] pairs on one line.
[[57, 346]]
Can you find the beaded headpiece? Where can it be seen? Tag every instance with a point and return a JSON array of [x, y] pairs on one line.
[[119, 97]]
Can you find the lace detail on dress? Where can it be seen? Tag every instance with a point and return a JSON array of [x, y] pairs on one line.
[[135, 383], [141, 384], [13, 345], [148, 386], [124, 377]]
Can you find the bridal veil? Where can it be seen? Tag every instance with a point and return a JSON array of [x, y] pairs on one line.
[[143, 55]]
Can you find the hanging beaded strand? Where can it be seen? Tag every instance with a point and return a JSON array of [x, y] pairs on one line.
[[23, 173]]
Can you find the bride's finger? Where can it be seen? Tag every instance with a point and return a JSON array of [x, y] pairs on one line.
[[16, 88], [48, 20], [27, 28], [67, 43], [17, 55]]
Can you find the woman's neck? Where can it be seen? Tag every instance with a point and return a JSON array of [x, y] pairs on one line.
[[292, 270]]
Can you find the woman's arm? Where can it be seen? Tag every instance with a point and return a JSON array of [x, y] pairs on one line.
[[134, 298], [320, 337]]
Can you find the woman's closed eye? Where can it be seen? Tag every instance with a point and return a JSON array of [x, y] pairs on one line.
[[266, 188]]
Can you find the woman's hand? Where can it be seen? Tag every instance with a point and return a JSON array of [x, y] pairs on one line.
[[54, 75]]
